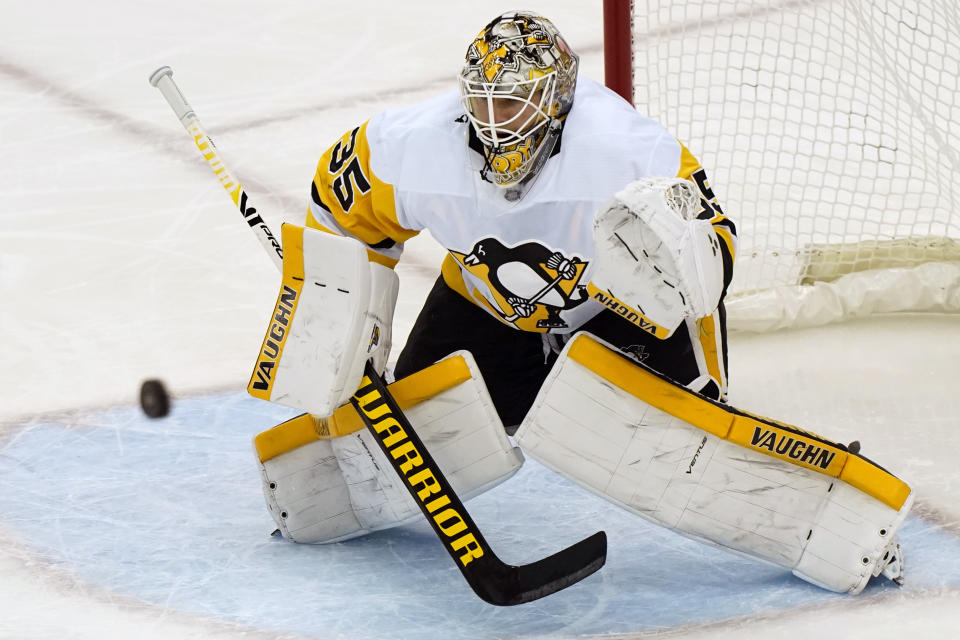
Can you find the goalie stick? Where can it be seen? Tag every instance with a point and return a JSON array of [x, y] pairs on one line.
[[490, 578]]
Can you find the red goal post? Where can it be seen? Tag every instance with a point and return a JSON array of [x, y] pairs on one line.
[[618, 46], [831, 132]]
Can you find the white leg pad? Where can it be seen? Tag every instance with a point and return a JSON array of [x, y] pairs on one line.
[[761, 488], [325, 489]]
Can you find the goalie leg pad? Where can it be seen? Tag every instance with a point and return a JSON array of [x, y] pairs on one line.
[[327, 480], [706, 470], [333, 313]]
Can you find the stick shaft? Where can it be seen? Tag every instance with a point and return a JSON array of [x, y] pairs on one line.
[[162, 79]]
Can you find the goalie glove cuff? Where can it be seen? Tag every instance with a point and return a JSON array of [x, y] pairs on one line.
[[654, 256], [700, 267]]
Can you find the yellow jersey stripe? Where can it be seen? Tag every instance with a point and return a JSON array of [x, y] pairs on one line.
[[708, 342], [727, 237], [688, 163], [361, 203]]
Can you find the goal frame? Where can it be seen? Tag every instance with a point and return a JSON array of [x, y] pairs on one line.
[[617, 47]]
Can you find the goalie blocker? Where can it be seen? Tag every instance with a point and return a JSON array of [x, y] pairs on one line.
[[333, 313], [765, 489]]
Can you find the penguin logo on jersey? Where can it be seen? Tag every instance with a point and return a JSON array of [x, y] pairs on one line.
[[530, 284]]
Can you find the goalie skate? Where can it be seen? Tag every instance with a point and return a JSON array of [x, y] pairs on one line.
[[891, 563]]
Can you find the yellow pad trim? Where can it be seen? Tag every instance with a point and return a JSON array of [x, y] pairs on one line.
[[408, 392], [373, 256], [771, 438], [648, 386], [628, 313], [871, 479], [261, 380], [287, 436], [788, 444]]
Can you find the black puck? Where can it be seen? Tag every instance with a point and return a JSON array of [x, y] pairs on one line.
[[154, 399]]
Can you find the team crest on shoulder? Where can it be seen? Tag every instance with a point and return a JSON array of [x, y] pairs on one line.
[[529, 284]]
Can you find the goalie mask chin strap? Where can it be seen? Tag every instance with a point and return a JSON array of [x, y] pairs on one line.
[[548, 148]]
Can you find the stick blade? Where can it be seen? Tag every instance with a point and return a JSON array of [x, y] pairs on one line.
[[508, 585]]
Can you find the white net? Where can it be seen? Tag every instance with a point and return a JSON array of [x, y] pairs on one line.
[[830, 131]]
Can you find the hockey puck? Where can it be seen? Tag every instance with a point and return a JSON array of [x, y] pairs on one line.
[[154, 399]]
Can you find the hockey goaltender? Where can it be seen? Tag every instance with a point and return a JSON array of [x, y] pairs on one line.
[[579, 309]]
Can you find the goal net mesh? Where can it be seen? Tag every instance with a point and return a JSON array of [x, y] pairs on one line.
[[831, 134]]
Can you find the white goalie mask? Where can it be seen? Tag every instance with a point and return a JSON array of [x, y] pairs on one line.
[[516, 87]]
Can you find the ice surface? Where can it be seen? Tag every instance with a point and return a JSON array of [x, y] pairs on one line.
[[170, 512], [122, 259]]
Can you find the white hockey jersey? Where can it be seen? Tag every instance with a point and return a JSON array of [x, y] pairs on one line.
[[411, 169]]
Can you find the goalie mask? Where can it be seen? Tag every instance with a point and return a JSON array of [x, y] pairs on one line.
[[516, 87]]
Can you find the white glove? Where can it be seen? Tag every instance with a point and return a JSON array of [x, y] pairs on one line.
[[654, 255]]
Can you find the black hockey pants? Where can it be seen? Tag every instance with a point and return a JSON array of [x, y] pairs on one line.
[[514, 363]]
